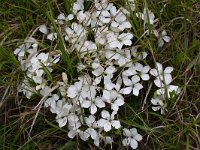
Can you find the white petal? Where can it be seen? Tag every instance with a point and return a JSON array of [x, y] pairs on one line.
[[138, 137], [64, 77], [99, 102], [106, 94], [126, 90], [119, 45], [61, 16], [155, 101], [116, 124], [70, 16], [84, 135], [154, 72], [119, 101], [166, 38], [37, 79], [158, 82], [72, 134], [93, 109], [113, 44], [138, 67], [174, 88], [145, 69], [97, 80], [133, 131], [62, 122], [93, 134], [114, 24], [108, 140], [52, 36], [134, 144], [160, 43], [127, 42], [110, 70], [101, 122], [43, 29], [126, 141], [107, 126], [168, 70], [135, 79], [118, 83], [135, 91], [126, 132], [164, 33], [71, 92], [89, 120], [108, 85], [138, 86], [159, 66], [129, 72], [55, 97], [156, 108], [114, 107], [126, 81], [105, 114], [86, 104], [127, 24], [145, 77], [167, 78]]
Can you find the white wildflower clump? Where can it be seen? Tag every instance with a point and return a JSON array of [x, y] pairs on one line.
[[110, 68]]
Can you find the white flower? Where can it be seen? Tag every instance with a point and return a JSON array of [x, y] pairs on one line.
[[132, 137], [52, 36], [64, 115], [113, 98], [161, 76], [88, 47], [100, 35], [62, 18], [108, 121], [159, 103], [38, 78], [148, 16], [105, 12], [163, 94], [120, 23], [75, 34], [132, 85], [100, 72], [163, 38], [171, 90], [130, 71], [26, 89], [84, 17], [93, 104], [83, 135], [117, 41], [143, 71], [90, 121], [45, 90], [138, 55], [107, 140]]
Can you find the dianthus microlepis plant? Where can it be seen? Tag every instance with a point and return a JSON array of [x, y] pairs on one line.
[[109, 68]]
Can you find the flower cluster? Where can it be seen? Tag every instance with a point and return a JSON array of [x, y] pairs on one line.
[[110, 67]]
